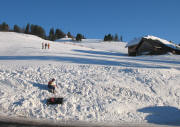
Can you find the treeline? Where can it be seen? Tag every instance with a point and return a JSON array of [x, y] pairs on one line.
[[110, 37], [54, 34], [39, 31]]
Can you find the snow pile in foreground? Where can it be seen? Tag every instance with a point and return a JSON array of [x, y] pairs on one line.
[[98, 82], [95, 93]]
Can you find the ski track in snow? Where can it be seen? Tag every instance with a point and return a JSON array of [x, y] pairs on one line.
[[114, 91]]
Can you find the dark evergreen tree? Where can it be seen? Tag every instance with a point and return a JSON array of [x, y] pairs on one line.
[[59, 34], [41, 32], [4, 27], [27, 29], [38, 31], [110, 37], [17, 29], [69, 35], [79, 37], [32, 28], [116, 38], [52, 36], [105, 38], [121, 38]]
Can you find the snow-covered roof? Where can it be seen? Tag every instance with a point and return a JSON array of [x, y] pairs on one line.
[[165, 42], [135, 41]]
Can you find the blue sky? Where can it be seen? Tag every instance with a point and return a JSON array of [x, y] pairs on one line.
[[95, 18]]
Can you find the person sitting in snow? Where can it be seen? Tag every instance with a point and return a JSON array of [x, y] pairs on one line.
[[52, 85]]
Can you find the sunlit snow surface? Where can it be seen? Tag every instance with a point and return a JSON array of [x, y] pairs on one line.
[[98, 81]]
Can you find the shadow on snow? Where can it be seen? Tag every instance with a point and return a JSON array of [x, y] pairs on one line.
[[162, 115], [40, 86], [137, 58], [101, 52], [80, 60]]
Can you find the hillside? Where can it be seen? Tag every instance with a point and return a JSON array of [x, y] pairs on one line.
[[98, 80]]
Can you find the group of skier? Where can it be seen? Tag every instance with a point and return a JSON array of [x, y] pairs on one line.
[[45, 45]]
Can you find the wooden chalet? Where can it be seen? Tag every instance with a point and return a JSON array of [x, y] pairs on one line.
[[151, 45]]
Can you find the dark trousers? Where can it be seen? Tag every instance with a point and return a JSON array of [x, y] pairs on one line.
[[51, 88]]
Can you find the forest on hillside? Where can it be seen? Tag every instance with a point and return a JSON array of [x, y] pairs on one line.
[[53, 34]]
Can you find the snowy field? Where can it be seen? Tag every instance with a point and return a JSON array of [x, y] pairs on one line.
[[98, 81]]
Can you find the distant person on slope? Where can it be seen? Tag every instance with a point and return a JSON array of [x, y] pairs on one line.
[[43, 45], [48, 45], [52, 85]]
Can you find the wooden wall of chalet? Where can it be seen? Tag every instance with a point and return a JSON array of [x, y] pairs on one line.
[[132, 50], [151, 47]]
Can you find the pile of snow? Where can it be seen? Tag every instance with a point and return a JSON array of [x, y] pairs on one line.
[[98, 82]]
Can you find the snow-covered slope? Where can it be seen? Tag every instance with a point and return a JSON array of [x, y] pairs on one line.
[[98, 81], [118, 47]]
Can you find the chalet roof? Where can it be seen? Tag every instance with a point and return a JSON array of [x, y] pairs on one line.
[[133, 42], [136, 41]]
